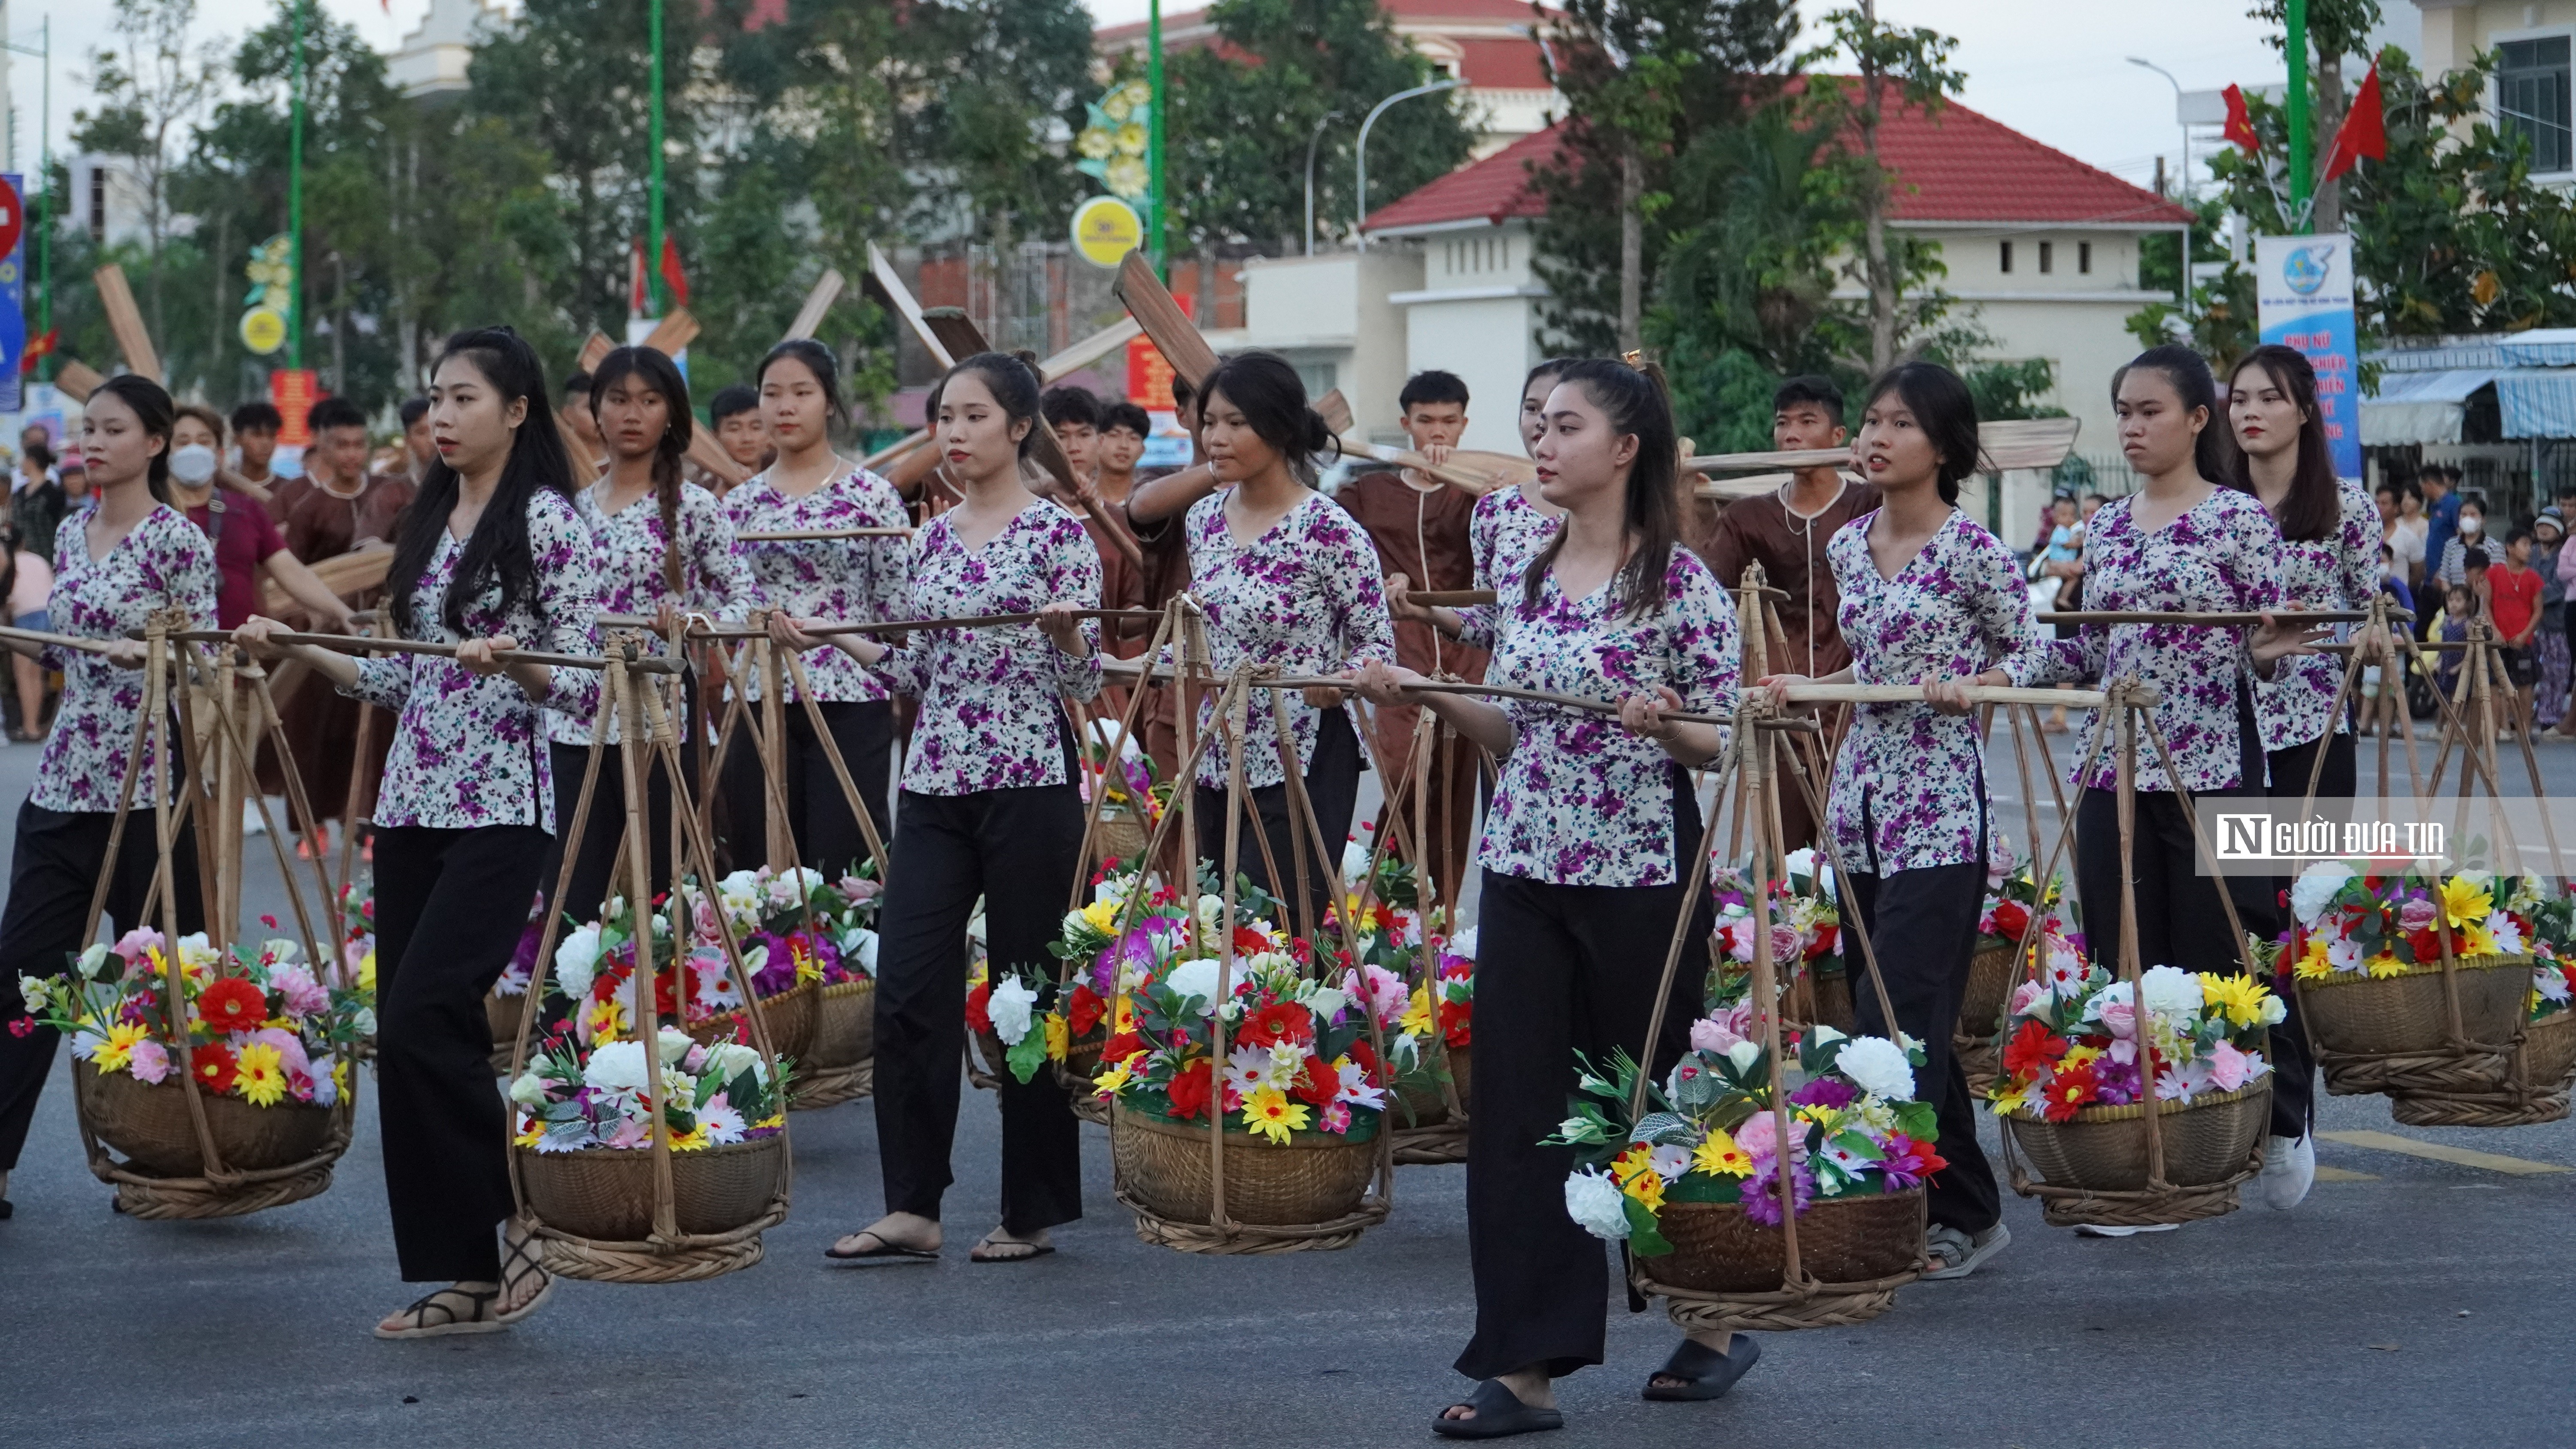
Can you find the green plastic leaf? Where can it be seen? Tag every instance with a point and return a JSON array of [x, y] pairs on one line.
[[1645, 1237], [1027, 1053]]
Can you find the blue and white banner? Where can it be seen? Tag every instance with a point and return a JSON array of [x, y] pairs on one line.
[[2303, 300], [13, 295]]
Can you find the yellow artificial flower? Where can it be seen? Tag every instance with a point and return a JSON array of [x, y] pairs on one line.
[[1101, 916], [1417, 1016], [1120, 1073], [2384, 965], [607, 1022], [2464, 901], [2238, 998], [1270, 1114], [1059, 1032], [1126, 1016], [261, 1075], [693, 1140], [1718, 1154], [2476, 939], [340, 1074], [1821, 1116], [1637, 1161], [531, 1132], [774, 1119], [2313, 964], [2010, 1098], [2077, 1056], [367, 972], [117, 1051]]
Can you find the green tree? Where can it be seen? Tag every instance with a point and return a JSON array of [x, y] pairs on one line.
[[150, 92]]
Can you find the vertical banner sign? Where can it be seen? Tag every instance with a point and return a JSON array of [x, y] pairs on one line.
[[2303, 301], [13, 294], [293, 391]]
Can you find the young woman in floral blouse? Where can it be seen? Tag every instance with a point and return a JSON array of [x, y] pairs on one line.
[[1928, 598], [855, 580], [991, 809], [665, 548], [1586, 851], [2181, 544], [490, 557], [1286, 578], [125, 555], [2329, 559]]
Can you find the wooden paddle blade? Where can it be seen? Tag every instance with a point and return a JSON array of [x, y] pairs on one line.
[[126, 321], [595, 351], [77, 380], [890, 290], [1047, 451], [1174, 335], [955, 330], [1082, 354], [710, 455], [585, 462], [1766, 462], [827, 290], [2027, 442], [1335, 410], [896, 449], [347, 575], [675, 331]]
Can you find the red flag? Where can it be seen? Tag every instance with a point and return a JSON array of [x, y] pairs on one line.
[[673, 276], [2240, 126], [637, 304], [2364, 131], [38, 347]]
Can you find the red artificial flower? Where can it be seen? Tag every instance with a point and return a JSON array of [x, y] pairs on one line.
[[2426, 944], [1189, 1090], [2068, 1092], [1454, 1016], [1317, 1083], [232, 1004], [22, 1026], [2011, 919], [1279, 1021], [1366, 1056], [979, 1017], [1120, 1047], [1249, 942], [1823, 945], [2032, 1050], [1083, 1011], [215, 1067]]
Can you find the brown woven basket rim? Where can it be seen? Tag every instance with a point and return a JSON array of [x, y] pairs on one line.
[[2132, 1111], [1310, 1140], [837, 990], [712, 1149], [2495, 961]]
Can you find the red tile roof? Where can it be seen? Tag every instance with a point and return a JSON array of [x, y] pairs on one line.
[[1957, 166], [1422, 14], [1509, 65]]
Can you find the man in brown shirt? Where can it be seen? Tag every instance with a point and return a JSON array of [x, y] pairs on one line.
[[1786, 531], [1419, 525]]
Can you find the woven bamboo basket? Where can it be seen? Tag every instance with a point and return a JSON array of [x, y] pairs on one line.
[[503, 1013], [1121, 835], [845, 1025], [1833, 1002], [1990, 982], [151, 1126], [607, 1193], [1718, 1249], [2354, 1015], [2104, 1149], [2536, 1088], [793, 1016], [1422, 1104], [1315, 1177], [2549, 1053]]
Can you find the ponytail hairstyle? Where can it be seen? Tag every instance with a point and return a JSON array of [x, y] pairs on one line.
[[1012, 380], [158, 415], [1272, 398], [663, 376], [2189, 373], [2315, 506], [1944, 409], [498, 548], [1636, 403], [818, 359]]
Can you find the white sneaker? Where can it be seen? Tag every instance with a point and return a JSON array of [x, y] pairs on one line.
[[250, 819], [2289, 1170], [2096, 1230]]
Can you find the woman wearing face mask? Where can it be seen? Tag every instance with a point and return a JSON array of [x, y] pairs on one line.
[[247, 543], [491, 557], [1508, 528], [2453, 566], [2329, 559], [2182, 543], [1927, 597], [991, 809], [857, 580], [665, 549], [1585, 851], [116, 561]]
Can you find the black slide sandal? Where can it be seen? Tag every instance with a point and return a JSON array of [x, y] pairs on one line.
[[1709, 1373], [1499, 1414], [885, 1248]]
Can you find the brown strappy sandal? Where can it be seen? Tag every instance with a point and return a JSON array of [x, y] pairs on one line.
[[478, 1318]]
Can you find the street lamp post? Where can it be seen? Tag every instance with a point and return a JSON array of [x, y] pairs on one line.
[[653, 204], [1329, 118], [295, 204], [1154, 240], [1359, 203], [2183, 186], [2294, 16]]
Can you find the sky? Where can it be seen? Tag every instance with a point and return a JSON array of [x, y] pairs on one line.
[[2054, 70]]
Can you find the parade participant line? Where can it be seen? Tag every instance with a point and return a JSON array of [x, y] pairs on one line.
[[2207, 621], [1128, 670], [352, 644], [816, 535]]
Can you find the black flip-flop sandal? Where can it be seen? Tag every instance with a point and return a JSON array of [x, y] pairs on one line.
[[886, 1248], [516, 1265], [982, 1252], [1499, 1415], [1707, 1373], [452, 1321]]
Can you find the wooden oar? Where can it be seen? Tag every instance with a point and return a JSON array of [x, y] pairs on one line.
[[898, 297], [353, 644], [978, 621], [2206, 621], [809, 317], [59, 641], [1053, 370], [1163, 320], [125, 320]]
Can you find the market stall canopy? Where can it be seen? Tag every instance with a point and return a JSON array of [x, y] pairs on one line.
[[2420, 407]]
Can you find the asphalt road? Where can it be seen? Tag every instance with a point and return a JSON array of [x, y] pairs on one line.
[[2411, 1301]]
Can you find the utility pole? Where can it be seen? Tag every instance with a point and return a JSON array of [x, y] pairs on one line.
[[2302, 165], [295, 203], [1154, 239]]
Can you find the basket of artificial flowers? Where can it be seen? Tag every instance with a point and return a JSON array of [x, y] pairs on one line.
[[2385, 964], [2540, 1068], [2013, 896], [785, 941], [1807, 946], [508, 995], [839, 1064]]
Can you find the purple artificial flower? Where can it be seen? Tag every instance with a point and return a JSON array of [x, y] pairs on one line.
[[1905, 1162], [777, 972], [1825, 1092], [1761, 1190]]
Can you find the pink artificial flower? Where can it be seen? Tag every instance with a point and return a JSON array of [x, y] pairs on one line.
[[1739, 938], [1337, 1117], [2025, 995], [22, 1026], [135, 943], [2415, 915], [1760, 1135], [855, 889], [150, 1062], [304, 995], [1384, 991], [2227, 1067], [1714, 1034], [2120, 1019], [1785, 943]]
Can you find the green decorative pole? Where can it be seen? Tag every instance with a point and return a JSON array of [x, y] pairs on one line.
[[45, 207], [295, 204], [1154, 241], [653, 225], [2302, 164]]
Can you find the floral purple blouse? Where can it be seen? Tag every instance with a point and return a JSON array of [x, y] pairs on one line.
[[1305, 596], [2221, 557], [631, 580], [1581, 801], [1504, 533], [1915, 776], [855, 581], [162, 562], [469, 750], [990, 712], [2339, 571]]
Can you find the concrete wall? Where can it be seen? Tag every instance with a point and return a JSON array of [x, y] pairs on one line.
[[1489, 343], [1331, 314]]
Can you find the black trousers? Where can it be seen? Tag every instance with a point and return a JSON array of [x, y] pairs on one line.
[[599, 873], [1924, 925], [53, 869], [1332, 784], [1560, 969], [444, 931], [2294, 1068], [818, 815], [1017, 849]]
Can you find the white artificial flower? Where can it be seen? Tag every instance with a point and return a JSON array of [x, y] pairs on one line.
[[1823, 1036], [278, 950], [1010, 1006], [1355, 861], [2315, 887], [2343, 953], [1076, 925], [727, 1060], [1744, 1054], [1194, 979], [94, 960], [326, 1082], [1248, 1070], [1670, 1162], [195, 950], [1801, 862], [1878, 1066], [365, 1021], [577, 960], [1354, 1087], [2275, 1010], [2550, 982], [529, 1090], [31, 990], [722, 1122], [865, 952], [1596, 1205], [2170, 993], [674, 1046], [617, 1066], [2508, 936], [1325, 1001], [1464, 944]]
